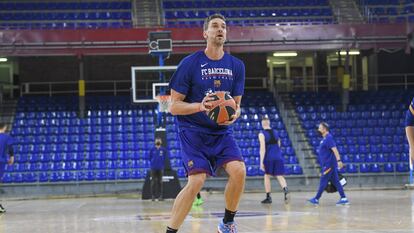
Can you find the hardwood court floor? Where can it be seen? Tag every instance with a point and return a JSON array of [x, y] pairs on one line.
[[370, 211]]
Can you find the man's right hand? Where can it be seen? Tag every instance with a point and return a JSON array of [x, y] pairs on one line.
[[205, 104]]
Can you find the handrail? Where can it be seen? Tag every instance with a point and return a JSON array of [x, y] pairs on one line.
[[319, 83], [50, 88]]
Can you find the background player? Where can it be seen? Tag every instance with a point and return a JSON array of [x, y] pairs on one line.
[[6, 142], [409, 130], [330, 160], [205, 145], [271, 160], [157, 157]]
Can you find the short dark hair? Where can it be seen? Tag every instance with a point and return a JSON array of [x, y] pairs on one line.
[[325, 125], [2, 125], [211, 17]]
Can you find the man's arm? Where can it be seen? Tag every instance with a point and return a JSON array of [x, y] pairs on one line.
[[11, 155], [262, 150], [338, 157], [179, 107]]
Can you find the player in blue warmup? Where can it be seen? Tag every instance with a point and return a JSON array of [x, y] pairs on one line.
[[6, 142], [409, 129], [330, 161], [206, 145], [157, 158], [271, 160]]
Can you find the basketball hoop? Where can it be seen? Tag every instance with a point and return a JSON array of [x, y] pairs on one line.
[[163, 102]]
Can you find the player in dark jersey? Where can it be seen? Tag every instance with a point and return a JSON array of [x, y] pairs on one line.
[[206, 145], [409, 129], [330, 161], [6, 142], [271, 160], [157, 157]]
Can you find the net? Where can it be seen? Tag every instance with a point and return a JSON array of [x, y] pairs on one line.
[[163, 102]]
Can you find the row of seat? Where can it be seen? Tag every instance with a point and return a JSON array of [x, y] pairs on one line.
[[65, 25], [242, 3], [61, 5], [84, 165], [247, 13], [372, 141], [289, 170], [372, 158], [110, 174], [71, 176], [256, 22], [87, 156], [376, 168], [65, 16]]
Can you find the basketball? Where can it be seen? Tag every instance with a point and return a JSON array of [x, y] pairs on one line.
[[223, 107]]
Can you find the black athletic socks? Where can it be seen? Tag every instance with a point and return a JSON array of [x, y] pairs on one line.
[[229, 216], [170, 230], [267, 195], [198, 195]]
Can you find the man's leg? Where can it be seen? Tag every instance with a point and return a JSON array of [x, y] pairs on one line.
[[234, 187], [283, 184], [184, 200], [337, 184], [326, 176], [153, 184], [282, 181], [268, 189], [160, 184]]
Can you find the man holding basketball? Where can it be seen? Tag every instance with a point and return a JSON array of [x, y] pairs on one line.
[[205, 144]]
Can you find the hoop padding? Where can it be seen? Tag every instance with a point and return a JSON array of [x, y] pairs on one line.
[[164, 102]]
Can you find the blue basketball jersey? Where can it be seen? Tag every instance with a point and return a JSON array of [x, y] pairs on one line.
[[273, 151], [5, 142], [157, 157], [326, 156], [196, 76]]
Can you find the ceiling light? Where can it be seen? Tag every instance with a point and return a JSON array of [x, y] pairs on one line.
[[354, 52], [285, 54]]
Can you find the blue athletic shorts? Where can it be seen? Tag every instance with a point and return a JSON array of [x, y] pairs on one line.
[[204, 153], [409, 119], [274, 167]]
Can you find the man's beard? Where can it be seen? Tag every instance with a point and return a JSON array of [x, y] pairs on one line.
[[218, 42]]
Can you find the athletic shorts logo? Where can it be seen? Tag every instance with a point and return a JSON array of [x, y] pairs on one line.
[[190, 163]]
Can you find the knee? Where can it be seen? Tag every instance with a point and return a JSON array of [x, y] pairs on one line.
[[238, 172], [196, 182]]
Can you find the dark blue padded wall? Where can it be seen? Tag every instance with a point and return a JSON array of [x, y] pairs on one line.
[[65, 15], [245, 13], [370, 135], [54, 145]]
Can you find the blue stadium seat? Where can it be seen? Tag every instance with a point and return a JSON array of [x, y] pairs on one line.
[[388, 167], [364, 168], [351, 168]]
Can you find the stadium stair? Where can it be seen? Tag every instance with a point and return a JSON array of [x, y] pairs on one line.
[[346, 11]]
